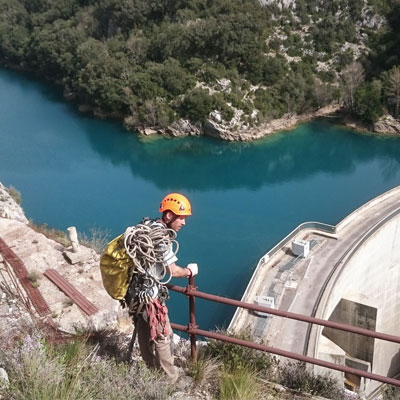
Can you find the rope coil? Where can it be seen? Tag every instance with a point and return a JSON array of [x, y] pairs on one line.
[[146, 244]]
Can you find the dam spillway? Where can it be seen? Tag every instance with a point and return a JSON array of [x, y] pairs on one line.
[[349, 273]]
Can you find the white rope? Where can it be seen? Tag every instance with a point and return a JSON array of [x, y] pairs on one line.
[[147, 246]]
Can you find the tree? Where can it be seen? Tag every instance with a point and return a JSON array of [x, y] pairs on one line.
[[155, 113], [268, 103], [171, 76], [197, 105], [100, 78], [53, 49], [368, 101], [14, 34], [393, 89], [350, 79], [137, 48], [322, 93]]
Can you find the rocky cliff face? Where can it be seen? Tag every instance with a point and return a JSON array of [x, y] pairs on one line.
[[217, 128], [39, 253], [387, 125], [9, 208]]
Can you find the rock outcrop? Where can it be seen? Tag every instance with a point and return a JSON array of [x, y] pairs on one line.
[[183, 127], [217, 128], [39, 253], [9, 208], [387, 125]]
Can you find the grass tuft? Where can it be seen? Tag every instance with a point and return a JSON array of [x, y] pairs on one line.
[[41, 370], [33, 277], [97, 239], [15, 194], [51, 233], [205, 369], [240, 384]]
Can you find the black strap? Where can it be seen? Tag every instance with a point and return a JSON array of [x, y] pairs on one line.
[[132, 342]]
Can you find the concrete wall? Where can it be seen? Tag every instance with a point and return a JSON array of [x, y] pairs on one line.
[[355, 314], [371, 277]]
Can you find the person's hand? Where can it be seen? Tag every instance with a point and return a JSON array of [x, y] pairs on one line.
[[193, 268]]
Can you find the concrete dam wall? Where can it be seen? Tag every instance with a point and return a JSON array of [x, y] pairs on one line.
[[365, 292], [350, 273]]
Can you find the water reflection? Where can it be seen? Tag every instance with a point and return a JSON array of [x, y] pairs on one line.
[[194, 163], [203, 163]]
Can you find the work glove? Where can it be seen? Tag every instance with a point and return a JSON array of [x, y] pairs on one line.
[[194, 269]]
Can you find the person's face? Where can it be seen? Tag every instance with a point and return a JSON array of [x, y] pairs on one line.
[[177, 224]]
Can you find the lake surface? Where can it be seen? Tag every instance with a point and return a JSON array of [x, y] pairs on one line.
[[74, 170]]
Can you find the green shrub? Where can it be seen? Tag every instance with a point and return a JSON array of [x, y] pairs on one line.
[[391, 393], [268, 102], [197, 105], [219, 104], [234, 98], [15, 194], [298, 377], [247, 107], [211, 73], [194, 64], [234, 357]]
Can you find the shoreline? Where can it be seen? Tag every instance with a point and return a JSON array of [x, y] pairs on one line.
[[387, 126], [286, 123]]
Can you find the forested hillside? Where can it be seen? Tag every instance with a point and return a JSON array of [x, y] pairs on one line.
[[156, 62]]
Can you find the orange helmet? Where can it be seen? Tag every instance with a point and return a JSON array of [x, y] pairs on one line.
[[177, 203]]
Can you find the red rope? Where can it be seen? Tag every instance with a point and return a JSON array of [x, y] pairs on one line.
[[157, 317]]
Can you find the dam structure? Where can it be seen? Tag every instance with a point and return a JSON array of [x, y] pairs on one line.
[[348, 273]]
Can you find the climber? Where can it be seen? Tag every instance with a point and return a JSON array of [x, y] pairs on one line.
[[153, 328]]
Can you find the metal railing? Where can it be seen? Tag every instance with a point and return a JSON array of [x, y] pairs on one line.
[[192, 329]]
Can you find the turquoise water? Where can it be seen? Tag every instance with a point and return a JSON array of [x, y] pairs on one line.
[[75, 170]]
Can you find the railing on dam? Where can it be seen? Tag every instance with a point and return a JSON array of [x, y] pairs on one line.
[[191, 292], [326, 228]]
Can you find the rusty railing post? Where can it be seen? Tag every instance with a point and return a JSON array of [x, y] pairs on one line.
[[192, 318]]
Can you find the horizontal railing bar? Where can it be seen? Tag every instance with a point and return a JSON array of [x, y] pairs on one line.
[[285, 314], [287, 354]]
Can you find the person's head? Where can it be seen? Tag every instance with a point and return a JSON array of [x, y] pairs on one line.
[[175, 208]]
